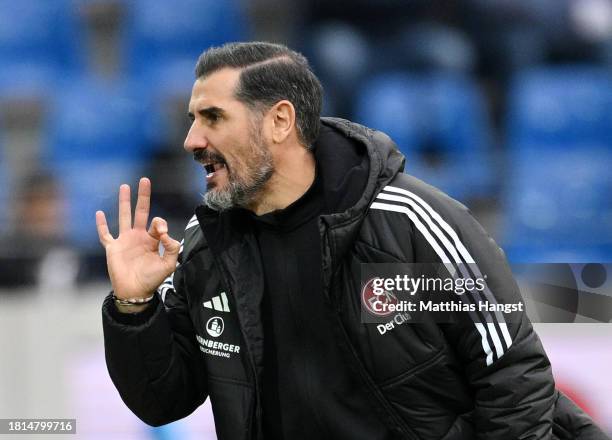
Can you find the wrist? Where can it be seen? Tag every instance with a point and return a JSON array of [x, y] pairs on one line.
[[133, 301], [133, 316], [136, 308], [132, 305]]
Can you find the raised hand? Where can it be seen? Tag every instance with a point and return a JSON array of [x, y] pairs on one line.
[[134, 265]]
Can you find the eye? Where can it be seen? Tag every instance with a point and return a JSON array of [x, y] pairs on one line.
[[211, 116], [214, 117]]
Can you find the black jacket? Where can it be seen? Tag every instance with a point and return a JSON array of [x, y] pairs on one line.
[[424, 380]]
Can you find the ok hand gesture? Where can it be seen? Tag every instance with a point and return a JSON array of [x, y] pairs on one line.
[[135, 267]]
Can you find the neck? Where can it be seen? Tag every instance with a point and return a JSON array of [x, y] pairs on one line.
[[294, 173]]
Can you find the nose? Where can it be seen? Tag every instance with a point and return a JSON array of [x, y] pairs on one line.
[[195, 139]]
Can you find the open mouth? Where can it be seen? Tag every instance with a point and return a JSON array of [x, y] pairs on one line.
[[212, 162], [212, 167]]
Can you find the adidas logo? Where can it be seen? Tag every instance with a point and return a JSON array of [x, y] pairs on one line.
[[218, 303]]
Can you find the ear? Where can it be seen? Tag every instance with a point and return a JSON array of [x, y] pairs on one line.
[[282, 116]]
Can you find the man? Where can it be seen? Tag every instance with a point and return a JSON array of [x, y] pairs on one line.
[[260, 307]]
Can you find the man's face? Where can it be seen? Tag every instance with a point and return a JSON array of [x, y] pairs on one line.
[[226, 137]]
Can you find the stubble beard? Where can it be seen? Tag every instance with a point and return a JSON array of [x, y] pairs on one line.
[[241, 191]]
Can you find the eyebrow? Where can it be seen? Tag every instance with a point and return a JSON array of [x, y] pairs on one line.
[[208, 113]]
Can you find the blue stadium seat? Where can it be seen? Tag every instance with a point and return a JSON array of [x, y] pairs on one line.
[[559, 192], [560, 107], [91, 185], [171, 78], [159, 29], [39, 31], [391, 103], [461, 131], [96, 140], [92, 120], [27, 80], [439, 122], [168, 85]]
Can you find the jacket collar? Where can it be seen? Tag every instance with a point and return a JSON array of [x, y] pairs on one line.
[[385, 162]]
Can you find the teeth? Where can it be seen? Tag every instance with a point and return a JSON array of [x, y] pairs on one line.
[[212, 167]]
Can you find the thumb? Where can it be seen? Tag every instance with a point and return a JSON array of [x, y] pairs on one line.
[[171, 248]]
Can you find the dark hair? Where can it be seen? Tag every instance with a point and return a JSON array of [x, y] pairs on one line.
[[270, 73]]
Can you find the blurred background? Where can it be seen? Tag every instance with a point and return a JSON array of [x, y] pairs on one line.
[[505, 105]]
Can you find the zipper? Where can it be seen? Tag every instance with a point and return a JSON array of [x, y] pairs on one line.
[[256, 410]]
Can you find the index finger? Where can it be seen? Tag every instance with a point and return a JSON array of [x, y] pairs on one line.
[[102, 226], [141, 214]]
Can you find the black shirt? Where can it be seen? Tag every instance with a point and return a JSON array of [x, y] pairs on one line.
[[301, 356]]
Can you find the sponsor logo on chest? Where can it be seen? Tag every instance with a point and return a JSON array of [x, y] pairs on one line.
[[217, 348], [211, 344]]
